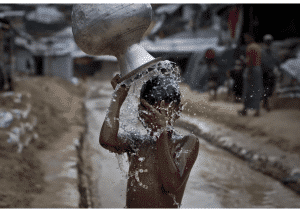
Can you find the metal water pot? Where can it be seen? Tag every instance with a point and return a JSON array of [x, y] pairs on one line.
[[114, 29]]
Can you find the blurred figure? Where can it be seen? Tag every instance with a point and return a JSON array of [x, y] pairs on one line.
[[268, 64], [206, 16], [196, 16], [237, 76], [232, 23], [212, 67], [6, 56], [253, 85], [229, 82]]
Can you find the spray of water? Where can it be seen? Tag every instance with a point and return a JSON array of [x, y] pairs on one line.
[[129, 121], [174, 199], [123, 164]]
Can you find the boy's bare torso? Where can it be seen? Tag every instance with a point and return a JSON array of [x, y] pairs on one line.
[[144, 187]]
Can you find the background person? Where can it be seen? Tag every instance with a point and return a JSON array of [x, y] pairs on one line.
[[237, 75], [213, 71], [253, 85], [268, 64]]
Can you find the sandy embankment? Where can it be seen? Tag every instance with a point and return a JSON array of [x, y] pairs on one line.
[[57, 105]]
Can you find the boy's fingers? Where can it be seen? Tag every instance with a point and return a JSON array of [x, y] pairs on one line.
[[147, 105], [145, 112], [115, 80], [143, 116], [117, 77]]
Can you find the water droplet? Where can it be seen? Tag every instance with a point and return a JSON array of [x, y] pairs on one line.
[[141, 159]]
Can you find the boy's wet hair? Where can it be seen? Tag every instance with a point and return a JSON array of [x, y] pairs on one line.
[[160, 88]]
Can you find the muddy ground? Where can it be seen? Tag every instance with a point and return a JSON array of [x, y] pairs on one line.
[[56, 104]]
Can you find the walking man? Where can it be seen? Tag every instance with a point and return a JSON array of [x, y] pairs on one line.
[[253, 85]]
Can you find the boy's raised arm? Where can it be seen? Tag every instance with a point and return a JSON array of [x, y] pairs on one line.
[[109, 132]]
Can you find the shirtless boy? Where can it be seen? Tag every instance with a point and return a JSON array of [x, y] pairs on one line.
[[159, 168]]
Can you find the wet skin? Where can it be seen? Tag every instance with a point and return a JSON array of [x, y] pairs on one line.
[[164, 173]]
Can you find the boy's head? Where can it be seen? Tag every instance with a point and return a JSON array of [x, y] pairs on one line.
[[160, 88]]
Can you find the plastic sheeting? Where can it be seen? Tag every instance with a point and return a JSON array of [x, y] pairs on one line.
[[6, 118], [21, 132], [292, 67]]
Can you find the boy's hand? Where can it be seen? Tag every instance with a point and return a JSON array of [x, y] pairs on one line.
[[122, 91], [115, 81], [158, 117]]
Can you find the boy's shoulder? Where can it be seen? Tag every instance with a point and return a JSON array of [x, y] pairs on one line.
[[189, 141], [192, 138]]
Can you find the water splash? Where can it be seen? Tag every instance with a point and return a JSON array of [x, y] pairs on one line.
[[141, 159], [131, 123], [135, 174], [174, 199], [129, 119], [123, 164]]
